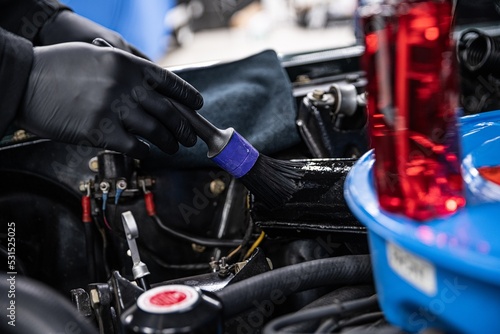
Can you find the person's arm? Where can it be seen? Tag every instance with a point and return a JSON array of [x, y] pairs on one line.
[[25, 18], [83, 94], [16, 58]]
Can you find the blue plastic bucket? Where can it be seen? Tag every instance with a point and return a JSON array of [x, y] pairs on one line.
[[442, 274]]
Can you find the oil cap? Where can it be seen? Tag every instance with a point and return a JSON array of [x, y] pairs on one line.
[[174, 309], [168, 299]]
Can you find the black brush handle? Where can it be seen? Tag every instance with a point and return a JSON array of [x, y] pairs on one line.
[[215, 138]]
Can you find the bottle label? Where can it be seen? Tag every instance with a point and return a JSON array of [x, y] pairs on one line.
[[418, 272]]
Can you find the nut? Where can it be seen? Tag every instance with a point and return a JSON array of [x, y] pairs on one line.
[[217, 187]]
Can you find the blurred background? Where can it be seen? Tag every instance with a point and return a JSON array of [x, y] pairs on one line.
[[175, 33]]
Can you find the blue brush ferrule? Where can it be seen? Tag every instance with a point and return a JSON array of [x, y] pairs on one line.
[[237, 157]]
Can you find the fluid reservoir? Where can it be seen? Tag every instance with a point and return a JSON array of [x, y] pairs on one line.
[[174, 309], [412, 103]]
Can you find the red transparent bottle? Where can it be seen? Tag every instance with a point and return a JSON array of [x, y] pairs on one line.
[[412, 100]]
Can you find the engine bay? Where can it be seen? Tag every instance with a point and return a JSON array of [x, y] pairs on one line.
[[98, 234]]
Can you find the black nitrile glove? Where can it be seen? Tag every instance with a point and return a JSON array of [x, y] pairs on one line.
[[84, 94], [67, 26]]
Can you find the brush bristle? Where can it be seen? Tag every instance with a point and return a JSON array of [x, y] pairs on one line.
[[272, 181]]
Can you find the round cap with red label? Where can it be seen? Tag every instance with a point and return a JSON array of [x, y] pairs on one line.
[[168, 299]]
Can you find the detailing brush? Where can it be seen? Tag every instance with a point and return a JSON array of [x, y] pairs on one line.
[[272, 181]]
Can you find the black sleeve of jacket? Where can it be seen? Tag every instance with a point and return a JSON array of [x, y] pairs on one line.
[[16, 58], [26, 17]]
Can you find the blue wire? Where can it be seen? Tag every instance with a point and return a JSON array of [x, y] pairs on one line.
[[104, 200], [118, 194]]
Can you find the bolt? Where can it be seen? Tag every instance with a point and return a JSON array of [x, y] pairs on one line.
[[94, 165], [318, 94], [224, 268], [217, 187], [122, 184], [82, 187], [104, 186]]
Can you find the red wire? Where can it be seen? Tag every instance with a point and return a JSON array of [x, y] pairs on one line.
[[106, 221]]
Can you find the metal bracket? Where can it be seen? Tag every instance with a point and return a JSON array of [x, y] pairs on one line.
[[139, 268]]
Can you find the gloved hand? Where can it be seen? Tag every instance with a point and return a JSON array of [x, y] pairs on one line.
[[84, 94], [66, 26]]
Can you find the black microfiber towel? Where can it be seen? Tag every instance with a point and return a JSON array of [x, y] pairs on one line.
[[252, 95]]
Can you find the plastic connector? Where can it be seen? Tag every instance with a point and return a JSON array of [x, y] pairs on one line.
[[150, 204], [86, 210]]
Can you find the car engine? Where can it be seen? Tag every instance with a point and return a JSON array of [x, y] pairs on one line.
[[97, 242]]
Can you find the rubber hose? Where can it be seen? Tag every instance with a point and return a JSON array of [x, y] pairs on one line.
[[479, 52], [37, 308], [379, 330], [281, 282], [340, 295]]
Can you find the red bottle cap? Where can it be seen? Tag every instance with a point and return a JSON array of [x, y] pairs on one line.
[[168, 299]]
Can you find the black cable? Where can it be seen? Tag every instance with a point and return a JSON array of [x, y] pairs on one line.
[[246, 237], [207, 242], [89, 248], [327, 326], [104, 247], [342, 294], [242, 248], [189, 266], [331, 325], [240, 296], [362, 319], [277, 324], [161, 263]]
